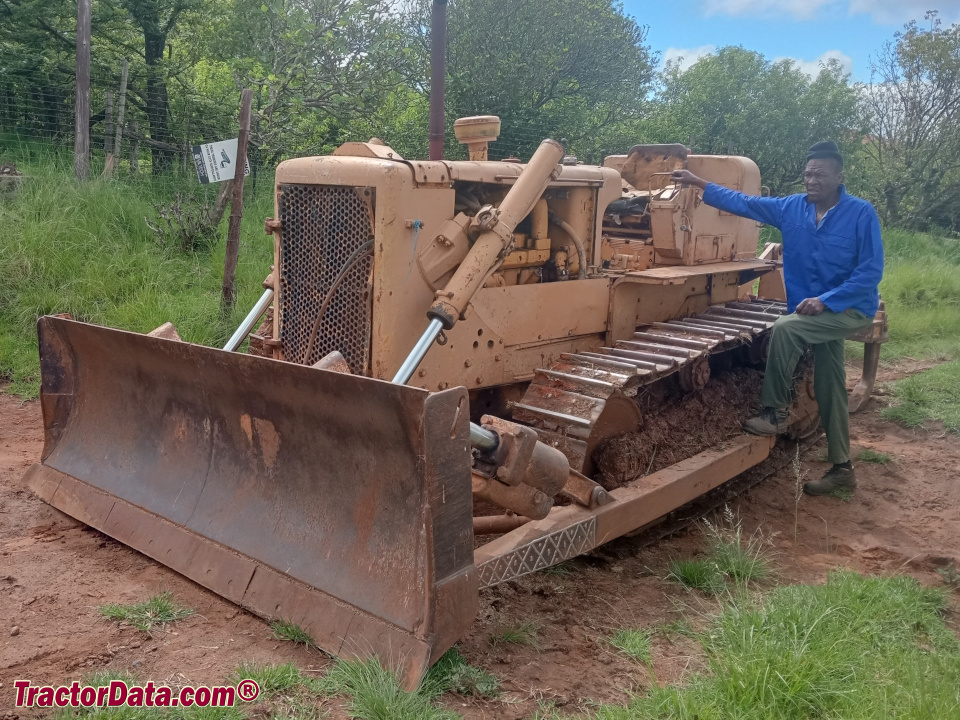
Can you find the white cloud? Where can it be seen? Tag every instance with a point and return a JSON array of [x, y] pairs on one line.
[[799, 9], [686, 56], [885, 12], [813, 67]]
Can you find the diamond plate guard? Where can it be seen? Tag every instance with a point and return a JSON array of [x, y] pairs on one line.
[[539, 553]]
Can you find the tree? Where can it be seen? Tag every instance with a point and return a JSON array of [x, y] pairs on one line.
[[157, 20], [914, 104], [736, 101], [37, 65], [549, 68], [315, 66]]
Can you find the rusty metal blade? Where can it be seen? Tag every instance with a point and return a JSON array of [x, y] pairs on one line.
[[337, 502]]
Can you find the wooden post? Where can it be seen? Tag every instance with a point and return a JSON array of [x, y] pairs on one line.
[[236, 210], [438, 77], [216, 213], [81, 142], [108, 124], [134, 147], [187, 154], [122, 104]]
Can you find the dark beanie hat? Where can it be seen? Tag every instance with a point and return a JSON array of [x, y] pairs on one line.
[[825, 149]]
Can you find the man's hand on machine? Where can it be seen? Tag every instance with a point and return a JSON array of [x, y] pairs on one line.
[[685, 177], [811, 306]]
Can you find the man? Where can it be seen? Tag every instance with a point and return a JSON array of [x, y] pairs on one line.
[[832, 264]]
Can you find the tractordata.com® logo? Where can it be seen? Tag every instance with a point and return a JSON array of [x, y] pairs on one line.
[[121, 694]]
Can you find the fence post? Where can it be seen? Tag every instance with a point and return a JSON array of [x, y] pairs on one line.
[[81, 142], [134, 147], [236, 210], [108, 125], [114, 158], [438, 77]]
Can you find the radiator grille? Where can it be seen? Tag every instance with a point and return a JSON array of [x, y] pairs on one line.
[[321, 227]]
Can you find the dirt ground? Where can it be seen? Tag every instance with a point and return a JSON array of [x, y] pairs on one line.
[[54, 572]]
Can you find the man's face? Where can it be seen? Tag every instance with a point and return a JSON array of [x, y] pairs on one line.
[[821, 178]]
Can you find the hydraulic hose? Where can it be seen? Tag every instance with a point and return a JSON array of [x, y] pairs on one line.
[[581, 251], [347, 266]]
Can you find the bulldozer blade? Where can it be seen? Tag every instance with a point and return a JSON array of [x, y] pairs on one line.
[[339, 503]]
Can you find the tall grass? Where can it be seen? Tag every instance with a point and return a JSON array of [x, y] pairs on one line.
[[730, 556], [931, 394], [854, 648], [84, 249], [921, 288]]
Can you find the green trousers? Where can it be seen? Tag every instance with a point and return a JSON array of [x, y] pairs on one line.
[[826, 333]]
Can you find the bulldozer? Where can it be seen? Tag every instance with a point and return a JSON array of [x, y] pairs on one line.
[[445, 357]]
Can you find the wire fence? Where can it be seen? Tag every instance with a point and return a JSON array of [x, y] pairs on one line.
[[39, 123], [155, 134]]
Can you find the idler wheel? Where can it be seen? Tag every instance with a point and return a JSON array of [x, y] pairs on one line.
[[695, 374]]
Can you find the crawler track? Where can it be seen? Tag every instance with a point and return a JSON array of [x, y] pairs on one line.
[[585, 398]]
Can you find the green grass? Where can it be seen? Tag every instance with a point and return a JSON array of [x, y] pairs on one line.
[[283, 630], [453, 674], [158, 610], [729, 557], [921, 288], [742, 559], [290, 694], [856, 648], [85, 249], [933, 394], [873, 456], [373, 693], [369, 691], [679, 627], [522, 633], [634, 643], [701, 575], [950, 576]]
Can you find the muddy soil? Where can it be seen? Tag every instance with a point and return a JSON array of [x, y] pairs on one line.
[[54, 572], [678, 425]]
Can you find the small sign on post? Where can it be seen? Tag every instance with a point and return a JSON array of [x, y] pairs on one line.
[[217, 161]]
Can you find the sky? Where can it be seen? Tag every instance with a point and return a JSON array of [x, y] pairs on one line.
[[804, 30]]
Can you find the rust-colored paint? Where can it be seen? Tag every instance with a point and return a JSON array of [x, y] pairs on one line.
[[326, 497], [268, 493]]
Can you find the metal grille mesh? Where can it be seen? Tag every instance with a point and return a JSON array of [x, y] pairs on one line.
[[321, 226]]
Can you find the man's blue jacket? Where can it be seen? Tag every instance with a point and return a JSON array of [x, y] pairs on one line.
[[840, 262]]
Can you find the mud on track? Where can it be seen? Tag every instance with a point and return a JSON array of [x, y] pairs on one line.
[[54, 573]]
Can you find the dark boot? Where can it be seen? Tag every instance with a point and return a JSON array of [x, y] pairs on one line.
[[839, 477], [772, 421]]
